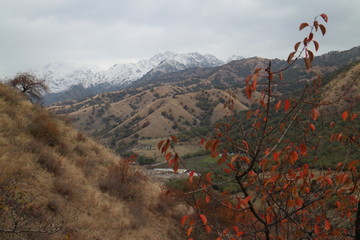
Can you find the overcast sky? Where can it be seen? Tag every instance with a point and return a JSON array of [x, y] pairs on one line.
[[104, 32]]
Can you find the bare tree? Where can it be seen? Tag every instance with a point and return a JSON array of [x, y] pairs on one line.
[[30, 85]]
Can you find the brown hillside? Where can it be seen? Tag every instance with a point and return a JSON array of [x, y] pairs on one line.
[[343, 91], [55, 183]]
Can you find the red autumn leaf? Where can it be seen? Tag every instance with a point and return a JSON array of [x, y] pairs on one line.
[[312, 127], [203, 218], [174, 138], [297, 46], [207, 198], [248, 92], [345, 115], [188, 233], [311, 36], [314, 114], [208, 177], [303, 149], [207, 229], [184, 219], [328, 180], [286, 105], [303, 25], [160, 144], [276, 156], [191, 176], [316, 25], [168, 156], [246, 145], [354, 116], [234, 158], [293, 157], [316, 44], [280, 76], [323, 29], [324, 16], [299, 202], [311, 55], [327, 225], [316, 229], [277, 106], [246, 159], [291, 56], [247, 199]]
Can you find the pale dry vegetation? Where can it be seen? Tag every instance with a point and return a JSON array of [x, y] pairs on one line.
[[56, 183]]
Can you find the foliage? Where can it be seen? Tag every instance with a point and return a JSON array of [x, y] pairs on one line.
[[273, 190]]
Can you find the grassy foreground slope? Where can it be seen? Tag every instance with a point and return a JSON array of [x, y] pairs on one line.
[[55, 183]]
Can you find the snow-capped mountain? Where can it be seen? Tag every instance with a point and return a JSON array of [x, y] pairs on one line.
[[61, 76], [234, 57], [186, 60], [121, 74]]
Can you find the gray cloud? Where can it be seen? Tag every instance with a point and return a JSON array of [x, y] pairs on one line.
[[34, 33]]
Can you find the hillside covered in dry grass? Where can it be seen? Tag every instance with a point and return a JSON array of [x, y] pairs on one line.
[[55, 183]]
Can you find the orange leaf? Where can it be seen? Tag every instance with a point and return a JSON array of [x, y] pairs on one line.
[[312, 127], [246, 145], [277, 106], [246, 159], [323, 29], [207, 229], [316, 25], [327, 225], [324, 16], [168, 156], [345, 115], [174, 138], [316, 229], [248, 92], [294, 156], [328, 180], [314, 114], [188, 233], [286, 105], [297, 46], [184, 219], [311, 55], [234, 158], [203, 218], [160, 144], [316, 44], [311, 36], [191, 176], [303, 25], [208, 177], [303, 149], [207, 198], [299, 202], [291, 56], [276, 156]]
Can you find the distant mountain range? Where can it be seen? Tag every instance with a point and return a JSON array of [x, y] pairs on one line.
[[67, 81]]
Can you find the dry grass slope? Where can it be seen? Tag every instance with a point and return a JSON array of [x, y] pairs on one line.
[[56, 183]]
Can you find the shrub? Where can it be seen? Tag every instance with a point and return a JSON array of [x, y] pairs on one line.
[[123, 181], [45, 128], [51, 163]]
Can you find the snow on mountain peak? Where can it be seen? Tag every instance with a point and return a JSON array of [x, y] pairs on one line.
[[61, 76]]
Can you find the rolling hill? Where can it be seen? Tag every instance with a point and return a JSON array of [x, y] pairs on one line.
[[56, 183]]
